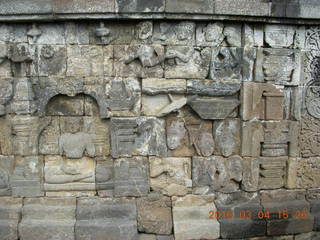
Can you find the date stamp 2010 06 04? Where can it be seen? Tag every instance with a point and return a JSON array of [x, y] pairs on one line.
[[261, 214]]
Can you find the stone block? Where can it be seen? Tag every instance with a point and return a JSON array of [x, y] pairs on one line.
[[6, 143], [313, 197], [270, 138], [21, 7], [145, 61], [154, 214], [26, 179], [226, 64], [48, 218], [154, 86], [174, 33], [69, 177], [6, 170], [162, 104], [243, 7], [82, 6], [188, 136], [227, 137], [278, 36], [138, 136], [190, 218], [124, 96], [289, 212], [10, 211], [279, 66], [187, 62], [76, 33], [51, 60], [170, 176], [212, 88], [309, 143], [303, 172], [131, 177], [308, 236], [214, 108], [106, 219], [262, 101], [210, 35], [139, 6], [189, 6], [105, 177], [250, 177], [216, 174], [308, 9]]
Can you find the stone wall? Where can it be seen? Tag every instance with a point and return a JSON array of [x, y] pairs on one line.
[[158, 130]]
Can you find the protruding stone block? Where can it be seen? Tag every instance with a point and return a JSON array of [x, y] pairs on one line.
[[190, 217], [10, 211], [106, 219], [170, 176], [48, 218], [154, 214]]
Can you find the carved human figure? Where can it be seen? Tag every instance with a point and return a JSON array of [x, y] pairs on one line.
[[75, 143], [147, 55], [213, 32], [60, 170]]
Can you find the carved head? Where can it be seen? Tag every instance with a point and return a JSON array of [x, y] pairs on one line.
[[214, 32], [145, 30], [175, 133], [185, 31], [73, 124]]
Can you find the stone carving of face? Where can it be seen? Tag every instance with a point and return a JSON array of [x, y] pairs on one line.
[[175, 133], [73, 124], [145, 30], [214, 32], [185, 31]]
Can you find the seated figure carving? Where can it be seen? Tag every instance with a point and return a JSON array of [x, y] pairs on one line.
[[75, 143]]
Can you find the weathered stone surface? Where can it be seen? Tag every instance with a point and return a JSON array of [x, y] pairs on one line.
[[307, 236], [190, 217], [139, 61], [227, 137], [174, 33], [234, 7], [162, 104], [272, 173], [48, 218], [214, 108], [76, 33], [303, 172], [216, 173], [170, 176], [26, 179], [5, 143], [250, 177], [63, 105], [212, 88], [313, 197], [189, 6], [138, 136], [104, 173], [279, 138], [309, 142], [154, 214], [131, 177], [104, 218], [10, 211], [126, 6], [69, 177], [91, 6], [20, 7], [6, 170], [226, 64], [278, 66], [278, 36], [242, 209], [262, 101], [186, 62], [154, 86], [6, 94], [209, 35], [297, 209]]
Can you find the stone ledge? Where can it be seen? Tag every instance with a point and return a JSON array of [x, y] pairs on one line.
[[284, 11]]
